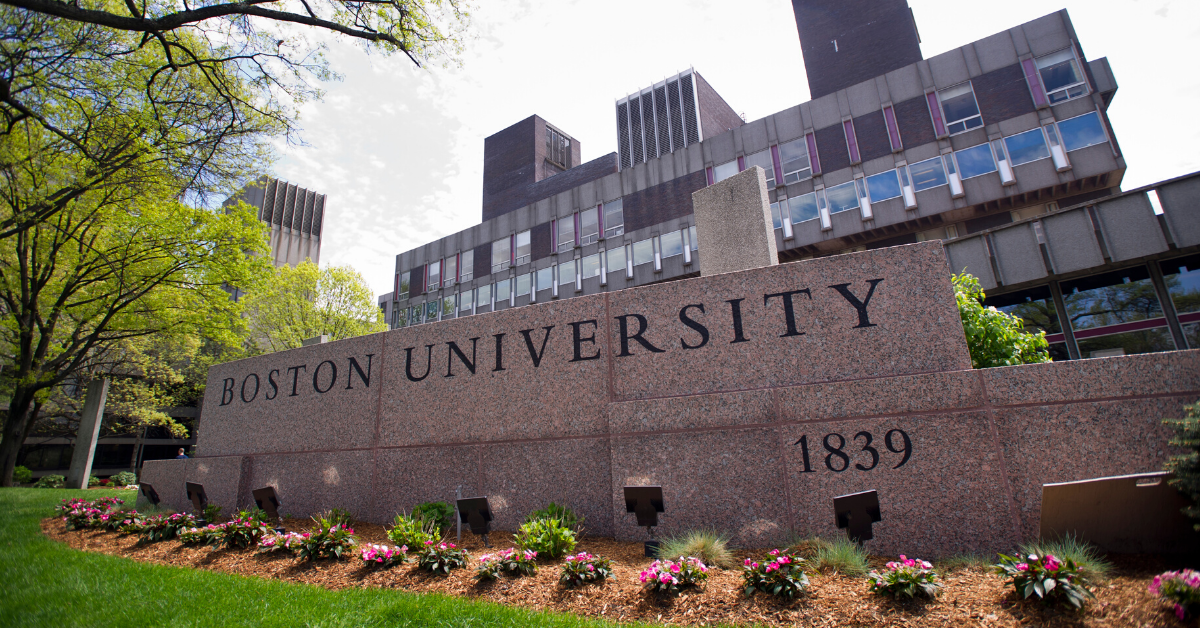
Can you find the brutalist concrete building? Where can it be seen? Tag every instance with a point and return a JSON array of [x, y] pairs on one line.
[[294, 214], [1001, 148]]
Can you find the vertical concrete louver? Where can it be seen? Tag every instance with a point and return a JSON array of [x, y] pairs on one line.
[[294, 214]]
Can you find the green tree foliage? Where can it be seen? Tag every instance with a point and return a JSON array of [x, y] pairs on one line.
[[994, 338], [1186, 466], [304, 302]]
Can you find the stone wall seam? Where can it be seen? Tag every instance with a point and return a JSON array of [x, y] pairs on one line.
[[787, 483], [1014, 512]]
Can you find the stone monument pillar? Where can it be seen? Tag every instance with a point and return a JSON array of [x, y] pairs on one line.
[[733, 224], [89, 429]]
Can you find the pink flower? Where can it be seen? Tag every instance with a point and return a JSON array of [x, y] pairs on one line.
[[1022, 567], [783, 560], [674, 568], [665, 578], [774, 552], [747, 563], [591, 568], [1179, 612]]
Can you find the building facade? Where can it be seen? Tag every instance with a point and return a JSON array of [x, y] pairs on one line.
[[294, 214]]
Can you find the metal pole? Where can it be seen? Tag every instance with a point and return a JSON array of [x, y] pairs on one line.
[[458, 519]]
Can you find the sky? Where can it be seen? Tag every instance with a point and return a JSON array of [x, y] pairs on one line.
[[398, 150]]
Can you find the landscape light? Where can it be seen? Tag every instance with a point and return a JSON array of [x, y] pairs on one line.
[[646, 502], [149, 492], [268, 501], [856, 512], [475, 512], [199, 499]]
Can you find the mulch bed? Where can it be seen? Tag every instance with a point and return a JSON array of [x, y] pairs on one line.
[[972, 597]]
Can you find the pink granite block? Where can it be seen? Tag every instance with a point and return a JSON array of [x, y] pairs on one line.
[[1096, 378], [731, 481], [519, 478], [167, 478], [1081, 441], [221, 478], [753, 407], [408, 476], [949, 496], [933, 392], [309, 483], [911, 325], [560, 396], [299, 405]]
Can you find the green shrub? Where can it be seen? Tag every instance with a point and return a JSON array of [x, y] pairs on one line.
[[837, 555], [438, 513], [710, 546], [995, 338], [211, 513], [907, 577], [1051, 578], [50, 481], [337, 516], [246, 529], [509, 561], [22, 475], [583, 568], [413, 532], [124, 478], [1091, 563], [562, 513], [550, 538], [330, 539], [441, 557], [779, 574], [93, 481], [1186, 466]]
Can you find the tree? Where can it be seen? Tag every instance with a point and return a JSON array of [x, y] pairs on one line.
[[304, 302], [995, 338], [1186, 466]]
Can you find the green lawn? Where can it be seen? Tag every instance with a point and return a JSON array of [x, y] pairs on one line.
[[43, 583]]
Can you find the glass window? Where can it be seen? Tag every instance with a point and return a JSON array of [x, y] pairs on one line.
[[1082, 131], [763, 160], [725, 170], [960, 109], [566, 233], [468, 266], [466, 300], [589, 226], [883, 186], [1035, 308], [501, 254], [416, 314], [448, 307], [672, 244], [545, 278], [803, 207], [451, 271], [776, 219], [405, 286], [643, 252], [590, 266], [523, 248], [616, 259], [692, 237], [432, 308], [975, 161], [503, 290], [1061, 76], [483, 295], [1026, 147], [842, 197], [614, 218], [1128, 343], [1182, 276], [927, 174], [401, 317], [524, 282], [566, 272], [435, 275], [1121, 296], [794, 158]]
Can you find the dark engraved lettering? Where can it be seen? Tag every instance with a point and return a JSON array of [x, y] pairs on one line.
[[579, 340], [789, 311], [354, 366], [887, 440], [454, 350], [637, 335], [869, 449], [700, 329], [273, 384], [836, 451], [844, 290], [317, 375], [408, 363], [735, 306], [536, 356], [803, 442], [227, 391], [295, 371], [499, 352], [253, 395]]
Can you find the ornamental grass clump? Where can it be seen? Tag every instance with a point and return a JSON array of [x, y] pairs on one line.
[[667, 576], [709, 546], [413, 530], [780, 574], [547, 537], [383, 556], [583, 567], [908, 577], [329, 540], [1181, 589], [1049, 578], [511, 561], [441, 557]]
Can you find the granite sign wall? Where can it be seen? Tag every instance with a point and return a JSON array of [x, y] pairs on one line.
[[752, 397]]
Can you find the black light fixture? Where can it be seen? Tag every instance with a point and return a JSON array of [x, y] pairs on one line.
[[856, 512], [646, 502], [268, 501], [150, 493], [474, 511], [199, 499]]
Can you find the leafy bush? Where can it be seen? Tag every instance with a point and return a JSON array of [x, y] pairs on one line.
[[510, 561], [562, 513], [584, 567], [124, 478], [50, 481], [665, 576], [1186, 466], [330, 539], [837, 555], [81, 514], [1092, 565], [907, 577], [244, 530], [337, 516], [93, 481], [162, 527], [995, 338], [211, 512], [383, 555], [196, 536], [440, 514], [709, 546], [22, 475], [441, 557], [288, 542], [1045, 576], [413, 531], [548, 537], [1181, 589], [781, 575]]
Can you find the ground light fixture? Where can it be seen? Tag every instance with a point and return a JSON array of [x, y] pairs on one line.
[[268, 501], [475, 512], [199, 499], [856, 512], [646, 502], [149, 492]]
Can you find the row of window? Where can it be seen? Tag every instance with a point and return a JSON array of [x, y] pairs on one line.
[[652, 250]]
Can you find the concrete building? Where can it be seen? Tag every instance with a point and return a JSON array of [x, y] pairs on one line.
[[294, 214], [1001, 147]]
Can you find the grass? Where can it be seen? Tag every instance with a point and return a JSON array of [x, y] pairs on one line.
[[837, 555], [710, 546], [962, 561], [49, 584], [1092, 564]]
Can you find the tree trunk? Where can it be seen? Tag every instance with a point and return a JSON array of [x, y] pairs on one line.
[[16, 426]]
